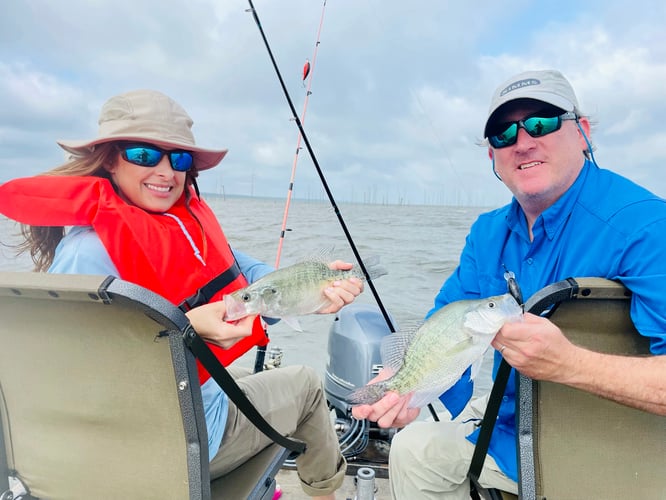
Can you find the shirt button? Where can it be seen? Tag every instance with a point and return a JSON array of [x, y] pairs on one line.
[[530, 261], [505, 399]]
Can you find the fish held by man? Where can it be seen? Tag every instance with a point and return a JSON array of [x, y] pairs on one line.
[[429, 360], [294, 290]]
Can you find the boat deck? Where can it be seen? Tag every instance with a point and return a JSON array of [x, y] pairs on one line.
[[291, 489]]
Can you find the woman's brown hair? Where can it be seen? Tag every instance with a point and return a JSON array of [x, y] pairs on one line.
[[41, 241]]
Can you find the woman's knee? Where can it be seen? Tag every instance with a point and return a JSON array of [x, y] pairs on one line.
[[307, 383]]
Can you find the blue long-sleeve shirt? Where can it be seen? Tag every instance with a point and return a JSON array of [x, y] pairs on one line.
[[603, 226]]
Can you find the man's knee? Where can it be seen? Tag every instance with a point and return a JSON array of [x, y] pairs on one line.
[[432, 446], [403, 451]]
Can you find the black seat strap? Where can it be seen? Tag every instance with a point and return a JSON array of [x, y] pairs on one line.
[[220, 374], [488, 422], [556, 293], [206, 292]]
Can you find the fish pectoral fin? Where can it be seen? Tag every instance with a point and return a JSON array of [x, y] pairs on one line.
[[476, 368], [423, 397], [293, 322], [460, 346]]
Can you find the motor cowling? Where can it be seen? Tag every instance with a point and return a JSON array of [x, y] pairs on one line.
[[354, 352], [354, 358]]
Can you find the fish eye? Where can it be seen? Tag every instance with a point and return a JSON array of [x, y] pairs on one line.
[[491, 304], [273, 290], [245, 297]]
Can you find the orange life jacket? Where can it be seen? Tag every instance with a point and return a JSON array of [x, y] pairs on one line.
[[148, 249]]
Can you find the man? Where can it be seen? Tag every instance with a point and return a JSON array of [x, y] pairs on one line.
[[567, 218]]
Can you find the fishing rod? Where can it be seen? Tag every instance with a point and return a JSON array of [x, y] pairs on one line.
[[309, 68], [320, 172]]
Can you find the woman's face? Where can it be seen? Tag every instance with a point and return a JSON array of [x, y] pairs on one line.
[[154, 189]]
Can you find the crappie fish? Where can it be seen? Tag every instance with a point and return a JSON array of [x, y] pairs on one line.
[[293, 291], [429, 360]]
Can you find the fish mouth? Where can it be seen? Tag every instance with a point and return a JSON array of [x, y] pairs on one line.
[[528, 165], [235, 309]]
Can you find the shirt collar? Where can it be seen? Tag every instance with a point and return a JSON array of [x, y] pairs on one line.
[[554, 217]]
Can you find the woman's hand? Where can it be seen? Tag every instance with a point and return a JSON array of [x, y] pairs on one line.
[[341, 292], [208, 321]]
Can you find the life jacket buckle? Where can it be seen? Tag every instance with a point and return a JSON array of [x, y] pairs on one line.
[[192, 301]]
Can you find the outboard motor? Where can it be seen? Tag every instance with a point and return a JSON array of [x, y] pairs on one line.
[[354, 358]]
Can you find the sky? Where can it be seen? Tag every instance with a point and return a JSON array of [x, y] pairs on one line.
[[399, 90]]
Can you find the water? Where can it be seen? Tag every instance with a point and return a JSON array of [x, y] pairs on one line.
[[418, 245]]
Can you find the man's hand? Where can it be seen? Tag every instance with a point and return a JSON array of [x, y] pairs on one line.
[[391, 410]]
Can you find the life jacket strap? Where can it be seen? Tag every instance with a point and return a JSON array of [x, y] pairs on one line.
[[206, 292]]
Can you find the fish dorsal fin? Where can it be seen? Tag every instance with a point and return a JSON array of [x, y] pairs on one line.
[[324, 255], [394, 347]]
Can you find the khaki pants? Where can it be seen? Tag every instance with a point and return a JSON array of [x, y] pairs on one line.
[[430, 460], [292, 400]]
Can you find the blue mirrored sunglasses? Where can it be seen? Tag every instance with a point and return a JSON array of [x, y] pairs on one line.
[[536, 126], [146, 155]]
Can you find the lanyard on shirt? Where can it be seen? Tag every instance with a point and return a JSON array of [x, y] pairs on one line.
[[496, 394]]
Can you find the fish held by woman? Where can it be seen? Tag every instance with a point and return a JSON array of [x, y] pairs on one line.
[[294, 290], [429, 360]]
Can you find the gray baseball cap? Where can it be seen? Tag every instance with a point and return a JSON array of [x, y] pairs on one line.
[[549, 86]]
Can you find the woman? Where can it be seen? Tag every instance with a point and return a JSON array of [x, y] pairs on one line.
[[131, 199]]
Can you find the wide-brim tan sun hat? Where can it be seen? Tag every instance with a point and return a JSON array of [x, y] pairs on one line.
[[147, 116]]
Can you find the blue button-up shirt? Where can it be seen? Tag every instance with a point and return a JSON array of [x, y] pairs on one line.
[[603, 226]]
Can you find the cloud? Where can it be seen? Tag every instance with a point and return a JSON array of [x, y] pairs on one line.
[[399, 90]]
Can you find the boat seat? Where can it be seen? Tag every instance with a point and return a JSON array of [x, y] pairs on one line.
[[573, 444], [477, 491], [99, 397]]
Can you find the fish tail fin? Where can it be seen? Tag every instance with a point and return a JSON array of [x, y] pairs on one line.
[[374, 269], [368, 394]]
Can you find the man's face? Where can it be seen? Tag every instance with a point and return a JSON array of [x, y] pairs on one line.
[[538, 170]]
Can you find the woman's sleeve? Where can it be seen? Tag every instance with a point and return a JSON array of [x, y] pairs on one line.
[[82, 252], [251, 268]]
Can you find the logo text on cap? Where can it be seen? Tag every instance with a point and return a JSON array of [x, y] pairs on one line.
[[520, 84]]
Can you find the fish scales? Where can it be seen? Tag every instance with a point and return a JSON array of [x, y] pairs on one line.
[[301, 285], [292, 291], [440, 351], [419, 362]]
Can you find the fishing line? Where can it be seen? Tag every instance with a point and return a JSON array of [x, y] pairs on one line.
[[319, 171], [298, 142], [437, 136]]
